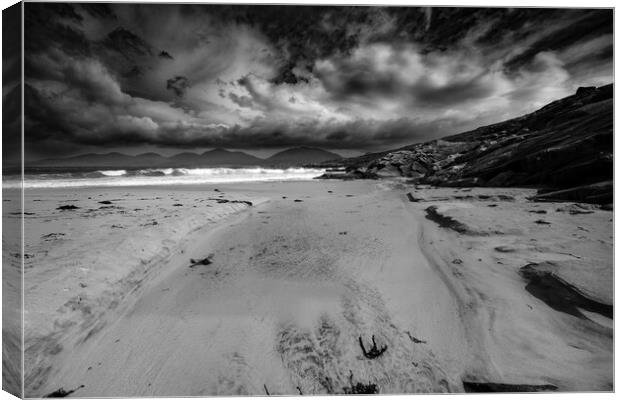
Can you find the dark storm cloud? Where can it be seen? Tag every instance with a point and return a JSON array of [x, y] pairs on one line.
[[276, 76], [165, 54], [11, 89], [242, 101], [178, 85]]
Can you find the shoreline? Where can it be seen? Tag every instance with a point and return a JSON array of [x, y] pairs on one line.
[[320, 263]]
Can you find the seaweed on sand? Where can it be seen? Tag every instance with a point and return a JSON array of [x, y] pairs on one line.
[[62, 392], [201, 261], [359, 387], [374, 352]]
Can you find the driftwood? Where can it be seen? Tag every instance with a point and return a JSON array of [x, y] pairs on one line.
[[374, 352], [266, 390], [203, 261], [299, 390], [62, 392]]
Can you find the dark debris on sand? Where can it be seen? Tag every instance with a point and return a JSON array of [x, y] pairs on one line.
[[445, 221], [415, 339], [374, 352], [62, 392], [221, 201], [52, 236], [413, 199], [68, 207], [203, 261], [490, 387], [360, 388], [559, 294]]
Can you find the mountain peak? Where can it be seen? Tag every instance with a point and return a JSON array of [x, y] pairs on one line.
[[217, 150], [150, 154], [302, 155]]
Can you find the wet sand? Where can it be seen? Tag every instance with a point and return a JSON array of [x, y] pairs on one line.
[[296, 279]]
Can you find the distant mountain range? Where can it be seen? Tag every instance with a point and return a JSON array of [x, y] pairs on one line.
[[217, 157]]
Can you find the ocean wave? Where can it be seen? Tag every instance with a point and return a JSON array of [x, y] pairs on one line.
[[146, 172], [118, 172], [163, 176]]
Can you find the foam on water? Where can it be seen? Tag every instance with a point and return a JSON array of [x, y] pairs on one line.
[[119, 172], [164, 176]]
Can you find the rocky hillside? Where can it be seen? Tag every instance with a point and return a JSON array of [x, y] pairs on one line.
[[301, 156], [565, 149]]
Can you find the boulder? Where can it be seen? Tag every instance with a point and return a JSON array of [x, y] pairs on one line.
[[388, 171]]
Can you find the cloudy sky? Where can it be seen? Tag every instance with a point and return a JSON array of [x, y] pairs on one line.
[[173, 78]]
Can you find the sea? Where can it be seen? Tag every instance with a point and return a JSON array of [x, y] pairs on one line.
[[59, 178]]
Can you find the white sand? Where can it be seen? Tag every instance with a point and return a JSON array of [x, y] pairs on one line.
[[515, 337], [85, 267], [11, 292], [292, 287]]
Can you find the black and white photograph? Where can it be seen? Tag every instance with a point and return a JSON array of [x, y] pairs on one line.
[[211, 199]]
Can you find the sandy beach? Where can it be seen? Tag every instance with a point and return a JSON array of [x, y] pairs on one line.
[[293, 282], [282, 199], [11, 291]]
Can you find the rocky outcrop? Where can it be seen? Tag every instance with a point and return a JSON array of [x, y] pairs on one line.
[[545, 283], [598, 193], [565, 148], [348, 175], [301, 156]]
